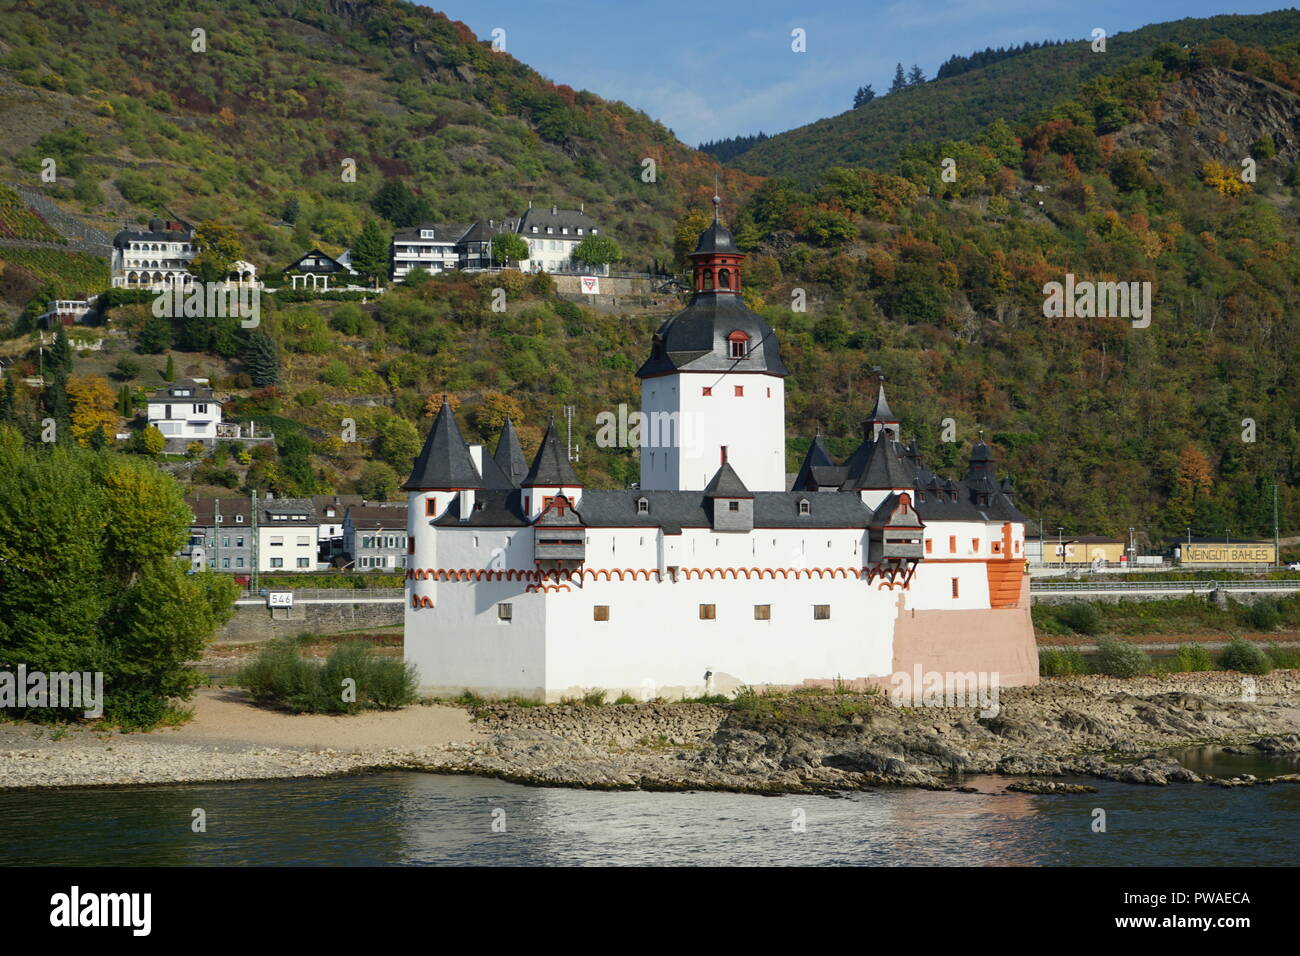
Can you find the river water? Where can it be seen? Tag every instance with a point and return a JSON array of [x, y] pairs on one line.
[[414, 818]]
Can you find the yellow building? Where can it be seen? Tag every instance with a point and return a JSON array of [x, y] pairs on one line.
[[1088, 549], [1209, 551]]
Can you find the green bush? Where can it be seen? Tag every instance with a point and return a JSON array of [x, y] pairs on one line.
[[1285, 656], [281, 675], [1120, 659], [1264, 615], [1082, 618], [1061, 662], [1193, 657], [1245, 656]]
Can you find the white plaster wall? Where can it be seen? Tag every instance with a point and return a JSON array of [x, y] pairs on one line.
[[290, 551], [655, 637], [751, 426], [462, 643]]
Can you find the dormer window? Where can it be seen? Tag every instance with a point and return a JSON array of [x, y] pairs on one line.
[[737, 342], [239, 519], [642, 506], [426, 233], [579, 230], [534, 228], [805, 508]]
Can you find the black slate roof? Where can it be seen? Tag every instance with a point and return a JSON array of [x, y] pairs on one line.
[[882, 412], [716, 239], [551, 466], [726, 484], [442, 232], [509, 455], [695, 339], [542, 217], [444, 462]]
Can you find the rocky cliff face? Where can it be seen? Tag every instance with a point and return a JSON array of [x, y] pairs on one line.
[[1218, 114]]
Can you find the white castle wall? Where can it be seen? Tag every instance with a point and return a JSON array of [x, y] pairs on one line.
[[751, 426]]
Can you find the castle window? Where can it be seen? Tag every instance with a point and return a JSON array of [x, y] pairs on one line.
[[430, 507], [410, 546], [505, 613], [821, 612], [740, 391], [975, 545], [929, 545], [708, 390], [956, 588], [642, 506], [952, 544], [724, 279], [708, 612], [600, 612], [706, 279], [762, 612], [804, 507], [737, 343], [733, 505]]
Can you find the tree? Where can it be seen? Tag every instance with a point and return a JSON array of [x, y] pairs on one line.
[[262, 359], [863, 96], [398, 442], [125, 402], [915, 76], [9, 402], [370, 251], [900, 79], [396, 203], [89, 579], [93, 406], [218, 248], [491, 414], [598, 251], [155, 335], [377, 481], [507, 247], [148, 441], [59, 361], [169, 373]]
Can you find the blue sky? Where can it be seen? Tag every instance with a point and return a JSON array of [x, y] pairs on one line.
[[712, 70]]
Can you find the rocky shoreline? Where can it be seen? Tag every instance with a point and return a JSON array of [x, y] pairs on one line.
[[1104, 728]]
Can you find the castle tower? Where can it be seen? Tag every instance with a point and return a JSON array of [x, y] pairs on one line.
[[551, 475], [713, 388], [444, 475]]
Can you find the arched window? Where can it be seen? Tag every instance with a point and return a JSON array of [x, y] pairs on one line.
[[724, 279], [706, 279], [642, 506], [804, 506]]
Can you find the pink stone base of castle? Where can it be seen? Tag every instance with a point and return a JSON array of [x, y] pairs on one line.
[[998, 641]]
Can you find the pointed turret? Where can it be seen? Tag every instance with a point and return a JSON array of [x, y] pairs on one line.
[[882, 418], [730, 502], [726, 484], [444, 463], [819, 469], [551, 467], [509, 455]]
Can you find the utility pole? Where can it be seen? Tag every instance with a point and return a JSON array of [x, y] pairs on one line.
[[1277, 547]]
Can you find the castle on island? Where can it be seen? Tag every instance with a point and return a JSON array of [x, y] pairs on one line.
[[713, 573]]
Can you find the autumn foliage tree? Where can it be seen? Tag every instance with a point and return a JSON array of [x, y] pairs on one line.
[[93, 406]]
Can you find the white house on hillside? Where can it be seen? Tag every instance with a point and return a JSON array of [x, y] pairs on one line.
[[185, 411]]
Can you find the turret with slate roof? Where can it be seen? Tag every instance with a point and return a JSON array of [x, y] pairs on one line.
[[444, 464], [551, 474], [509, 455], [730, 503]]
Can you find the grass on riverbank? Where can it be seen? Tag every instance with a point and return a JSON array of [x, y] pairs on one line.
[[1117, 658], [1191, 615]]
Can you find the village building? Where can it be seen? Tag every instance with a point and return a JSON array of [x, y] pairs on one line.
[[288, 535], [221, 535], [711, 575], [185, 411], [159, 258], [375, 536], [316, 270]]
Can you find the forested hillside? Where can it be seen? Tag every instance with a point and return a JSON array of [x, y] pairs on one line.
[[937, 280], [1010, 89], [253, 129]]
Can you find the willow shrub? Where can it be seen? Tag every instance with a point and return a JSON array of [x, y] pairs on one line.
[[349, 681]]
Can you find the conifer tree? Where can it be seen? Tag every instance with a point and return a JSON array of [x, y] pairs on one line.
[[900, 79], [262, 359]]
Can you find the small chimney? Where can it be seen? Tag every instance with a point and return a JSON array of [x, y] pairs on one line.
[[555, 210], [476, 456]]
